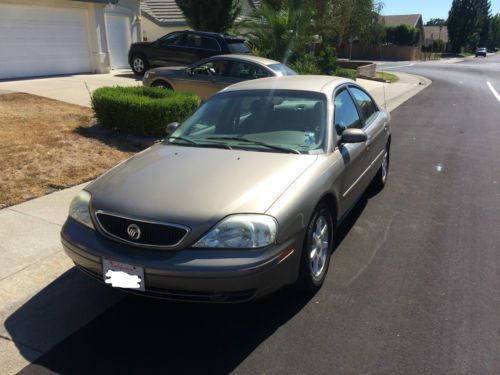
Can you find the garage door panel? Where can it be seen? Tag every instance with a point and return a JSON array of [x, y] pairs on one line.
[[39, 40]]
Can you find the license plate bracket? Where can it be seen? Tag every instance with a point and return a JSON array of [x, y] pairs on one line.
[[123, 275]]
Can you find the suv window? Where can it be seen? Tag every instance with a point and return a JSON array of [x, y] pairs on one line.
[[193, 41], [246, 71], [237, 46], [346, 114], [210, 43], [368, 108], [172, 39]]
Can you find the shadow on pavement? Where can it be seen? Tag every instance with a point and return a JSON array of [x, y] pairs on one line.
[[139, 335], [129, 75]]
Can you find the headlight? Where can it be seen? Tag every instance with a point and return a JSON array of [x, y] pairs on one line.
[[79, 209], [241, 232]]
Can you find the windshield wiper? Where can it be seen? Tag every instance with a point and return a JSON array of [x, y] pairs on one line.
[[196, 144], [183, 139], [246, 140]]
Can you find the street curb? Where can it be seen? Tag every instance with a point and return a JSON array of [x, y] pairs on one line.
[[423, 83]]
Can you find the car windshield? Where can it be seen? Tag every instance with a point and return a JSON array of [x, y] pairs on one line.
[[282, 69], [260, 120]]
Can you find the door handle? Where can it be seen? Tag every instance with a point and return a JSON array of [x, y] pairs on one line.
[[368, 145], [386, 127]]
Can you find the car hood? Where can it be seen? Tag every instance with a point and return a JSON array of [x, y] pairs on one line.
[[196, 186]]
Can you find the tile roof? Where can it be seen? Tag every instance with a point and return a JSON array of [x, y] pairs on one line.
[[432, 32], [167, 12], [164, 12], [402, 19]]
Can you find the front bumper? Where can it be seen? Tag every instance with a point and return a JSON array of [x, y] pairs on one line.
[[190, 274]]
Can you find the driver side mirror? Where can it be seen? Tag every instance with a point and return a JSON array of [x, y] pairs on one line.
[[353, 136], [171, 128]]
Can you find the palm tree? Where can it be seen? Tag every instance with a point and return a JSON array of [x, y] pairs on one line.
[[276, 33]]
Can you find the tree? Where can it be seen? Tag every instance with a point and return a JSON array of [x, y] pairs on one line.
[[495, 31], [277, 33], [484, 15], [402, 35], [468, 23], [436, 22], [210, 15]]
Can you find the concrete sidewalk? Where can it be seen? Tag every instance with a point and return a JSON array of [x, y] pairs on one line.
[[43, 298]]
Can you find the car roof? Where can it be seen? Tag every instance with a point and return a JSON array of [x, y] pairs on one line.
[[212, 34], [321, 84], [250, 58]]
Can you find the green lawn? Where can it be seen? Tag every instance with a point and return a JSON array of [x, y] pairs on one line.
[[387, 76]]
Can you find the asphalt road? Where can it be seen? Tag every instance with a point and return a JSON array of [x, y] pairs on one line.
[[414, 283]]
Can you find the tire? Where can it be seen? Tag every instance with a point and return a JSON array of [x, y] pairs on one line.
[[380, 178], [162, 84], [139, 65], [314, 264]]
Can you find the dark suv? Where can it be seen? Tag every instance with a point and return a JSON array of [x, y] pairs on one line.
[[182, 48]]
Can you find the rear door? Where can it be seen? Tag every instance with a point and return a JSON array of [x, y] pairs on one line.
[[200, 47], [374, 125]]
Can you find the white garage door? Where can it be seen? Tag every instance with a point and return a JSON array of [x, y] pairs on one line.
[[37, 41], [118, 30]]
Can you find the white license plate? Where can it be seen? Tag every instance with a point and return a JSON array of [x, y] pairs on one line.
[[123, 275]]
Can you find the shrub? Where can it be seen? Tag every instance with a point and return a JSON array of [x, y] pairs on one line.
[[346, 73], [305, 64], [327, 62], [141, 110]]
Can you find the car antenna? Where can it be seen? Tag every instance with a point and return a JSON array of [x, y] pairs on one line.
[[383, 79]]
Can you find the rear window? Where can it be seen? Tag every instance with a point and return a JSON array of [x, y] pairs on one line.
[[237, 46], [282, 69]]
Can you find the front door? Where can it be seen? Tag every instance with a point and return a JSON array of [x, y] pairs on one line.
[[354, 155]]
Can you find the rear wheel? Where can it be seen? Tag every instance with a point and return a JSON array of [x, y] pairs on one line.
[[381, 177], [139, 64], [317, 250]]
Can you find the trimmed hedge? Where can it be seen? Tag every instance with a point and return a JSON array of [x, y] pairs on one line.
[[346, 73], [141, 110]]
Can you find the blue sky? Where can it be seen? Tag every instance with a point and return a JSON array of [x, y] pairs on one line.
[[427, 8]]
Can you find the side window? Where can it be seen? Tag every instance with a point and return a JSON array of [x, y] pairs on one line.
[[210, 43], [246, 71], [172, 39], [193, 41], [346, 114], [213, 68], [368, 108]]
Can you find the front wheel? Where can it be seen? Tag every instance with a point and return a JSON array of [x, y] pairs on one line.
[[317, 250], [162, 84], [139, 65]]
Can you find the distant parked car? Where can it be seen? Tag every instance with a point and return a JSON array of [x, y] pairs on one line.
[[211, 75], [481, 52], [182, 48]]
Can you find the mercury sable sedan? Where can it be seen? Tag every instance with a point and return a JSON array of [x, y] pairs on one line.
[[240, 199]]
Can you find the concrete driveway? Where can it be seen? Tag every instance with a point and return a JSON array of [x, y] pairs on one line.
[[72, 89]]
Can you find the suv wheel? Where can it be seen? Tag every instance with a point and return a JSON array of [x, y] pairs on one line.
[[139, 65]]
